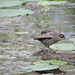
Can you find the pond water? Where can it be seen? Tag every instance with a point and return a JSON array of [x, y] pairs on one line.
[[16, 36]]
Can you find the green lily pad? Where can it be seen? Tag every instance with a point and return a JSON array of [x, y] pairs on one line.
[[47, 67], [52, 2], [14, 12], [29, 67], [40, 68], [72, 39], [9, 3], [31, 0], [67, 46], [67, 67], [48, 62]]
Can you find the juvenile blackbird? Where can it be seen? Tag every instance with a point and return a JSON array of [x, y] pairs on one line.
[[49, 37]]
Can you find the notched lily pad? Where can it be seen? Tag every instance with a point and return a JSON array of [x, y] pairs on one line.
[[64, 46], [40, 68], [48, 62]]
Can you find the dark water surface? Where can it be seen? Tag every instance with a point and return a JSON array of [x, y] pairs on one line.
[[16, 31]]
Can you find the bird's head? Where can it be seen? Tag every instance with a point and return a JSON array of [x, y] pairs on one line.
[[61, 37]]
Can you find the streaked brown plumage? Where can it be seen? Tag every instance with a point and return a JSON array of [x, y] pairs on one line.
[[49, 37]]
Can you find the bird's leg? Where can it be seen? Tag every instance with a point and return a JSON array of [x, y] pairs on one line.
[[50, 48]]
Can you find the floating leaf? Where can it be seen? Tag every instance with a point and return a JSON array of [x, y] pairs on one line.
[[29, 67], [72, 39], [52, 2], [41, 67], [14, 12], [21, 32], [31, 0], [63, 46], [67, 67], [8, 3], [48, 62]]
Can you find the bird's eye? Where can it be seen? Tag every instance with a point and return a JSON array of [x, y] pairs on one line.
[[62, 36]]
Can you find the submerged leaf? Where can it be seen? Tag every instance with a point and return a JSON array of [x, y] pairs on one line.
[[21, 32], [63, 46]]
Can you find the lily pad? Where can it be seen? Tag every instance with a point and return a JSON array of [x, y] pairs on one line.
[[14, 12], [64, 46], [72, 39], [67, 67], [31, 0], [52, 2], [8, 3], [48, 62], [40, 68]]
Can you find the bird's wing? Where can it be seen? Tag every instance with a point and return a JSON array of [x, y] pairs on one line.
[[44, 37]]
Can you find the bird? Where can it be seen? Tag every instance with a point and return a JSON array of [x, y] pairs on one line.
[[49, 37]]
